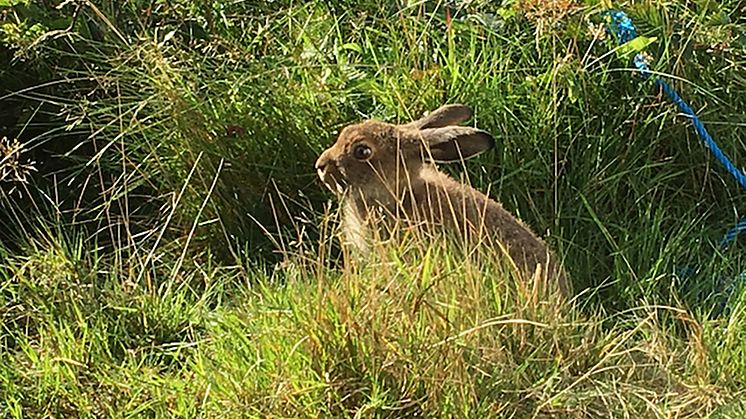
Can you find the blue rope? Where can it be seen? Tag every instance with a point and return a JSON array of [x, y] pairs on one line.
[[622, 26], [731, 234], [624, 30], [702, 132]]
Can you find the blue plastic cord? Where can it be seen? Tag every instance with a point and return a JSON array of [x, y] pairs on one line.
[[624, 30], [731, 234], [702, 132], [622, 27]]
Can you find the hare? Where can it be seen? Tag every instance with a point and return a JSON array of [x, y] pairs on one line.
[[380, 168]]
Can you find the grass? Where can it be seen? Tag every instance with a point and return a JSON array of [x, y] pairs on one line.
[[173, 254], [408, 333]]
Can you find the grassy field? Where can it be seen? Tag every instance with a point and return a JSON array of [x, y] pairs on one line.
[[166, 249]]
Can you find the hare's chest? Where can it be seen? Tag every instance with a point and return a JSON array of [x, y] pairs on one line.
[[354, 229], [363, 222]]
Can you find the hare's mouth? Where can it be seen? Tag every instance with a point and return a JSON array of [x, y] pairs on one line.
[[333, 182]]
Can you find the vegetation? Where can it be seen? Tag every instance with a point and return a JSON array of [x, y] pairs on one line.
[[167, 251]]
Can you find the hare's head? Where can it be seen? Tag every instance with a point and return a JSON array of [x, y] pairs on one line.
[[379, 158]]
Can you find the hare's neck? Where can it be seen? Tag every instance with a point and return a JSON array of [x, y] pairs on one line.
[[392, 197], [355, 232]]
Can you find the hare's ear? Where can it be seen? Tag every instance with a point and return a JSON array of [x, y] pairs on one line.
[[454, 143], [442, 117]]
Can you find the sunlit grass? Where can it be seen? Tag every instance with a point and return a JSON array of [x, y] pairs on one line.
[[413, 329], [175, 256]]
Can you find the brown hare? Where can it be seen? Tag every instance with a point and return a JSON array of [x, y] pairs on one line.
[[385, 170]]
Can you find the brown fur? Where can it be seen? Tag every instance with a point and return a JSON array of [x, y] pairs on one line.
[[399, 181]]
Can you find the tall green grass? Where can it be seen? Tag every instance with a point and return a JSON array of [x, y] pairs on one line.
[[414, 330], [174, 255]]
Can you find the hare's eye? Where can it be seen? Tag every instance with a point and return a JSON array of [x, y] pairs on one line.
[[361, 152]]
